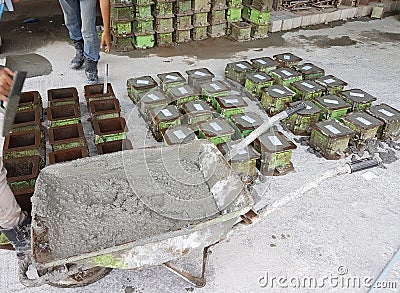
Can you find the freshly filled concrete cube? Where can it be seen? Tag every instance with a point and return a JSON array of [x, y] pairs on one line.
[[264, 64], [182, 94], [237, 71], [152, 100], [307, 90], [138, 86], [199, 76], [364, 125], [391, 117], [330, 138], [230, 105], [211, 90], [197, 111], [285, 76], [310, 71], [256, 81], [302, 122], [171, 79], [178, 135], [162, 119], [276, 153], [287, 59], [274, 98], [244, 163], [245, 123], [164, 38], [332, 106], [332, 84], [216, 131], [359, 99]]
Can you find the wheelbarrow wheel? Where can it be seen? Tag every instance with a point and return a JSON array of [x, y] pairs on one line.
[[83, 278]]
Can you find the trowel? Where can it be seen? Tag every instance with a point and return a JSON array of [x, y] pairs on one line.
[[9, 110]]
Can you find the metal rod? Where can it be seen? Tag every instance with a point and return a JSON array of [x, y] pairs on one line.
[[105, 79]]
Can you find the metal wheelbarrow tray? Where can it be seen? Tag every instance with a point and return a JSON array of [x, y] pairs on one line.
[[136, 208]]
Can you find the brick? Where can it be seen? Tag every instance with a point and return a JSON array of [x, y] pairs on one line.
[[306, 20], [104, 109], [347, 13], [113, 146], [95, 92], [110, 129], [297, 22], [322, 17], [66, 137], [363, 10], [22, 173], [63, 115], [333, 16], [24, 144], [287, 23], [62, 96], [314, 19], [68, 155], [276, 24]]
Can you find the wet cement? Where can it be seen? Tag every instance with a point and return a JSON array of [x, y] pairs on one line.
[[136, 195], [34, 64], [325, 42]]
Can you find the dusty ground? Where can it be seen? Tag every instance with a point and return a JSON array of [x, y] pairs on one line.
[[347, 226]]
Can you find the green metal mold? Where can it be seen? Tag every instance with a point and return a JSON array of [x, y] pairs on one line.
[[234, 14], [162, 119], [69, 145], [143, 2], [217, 131], [217, 30], [123, 43], [240, 31], [196, 112], [201, 6], [178, 135], [138, 86], [285, 76], [211, 90], [106, 116], [358, 99], [264, 64], [143, 41], [245, 162], [307, 90], [170, 80], [108, 261], [144, 26], [143, 11], [122, 12], [164, 39], [183, 22], [121, 27], [330, 138], [182, 36], [332, 106], [152, 100], [183, 7], [32, 127], [259, 31], [275, 98], [256, 16], [199, 33], [22, 185], [230, 105], [217, 17], [263, 5], [65, 122], [164, 9], [126, 2], [110, 137], [182, 94], [310, 71], [218, 4], [164, 25], [364, 125], [235, 3], [3, 239], [237, 71], [276, 153], [244, 124], [391, 118], [302, 122], [256, 81], [200, 19], [287, 59], [332, 84]]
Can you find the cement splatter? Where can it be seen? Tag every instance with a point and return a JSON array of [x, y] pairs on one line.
[[34, 64], [324, 42]]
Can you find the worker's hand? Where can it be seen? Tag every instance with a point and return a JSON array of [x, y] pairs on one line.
[[106, 41], [6, 75]]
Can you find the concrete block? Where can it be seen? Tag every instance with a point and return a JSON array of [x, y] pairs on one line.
[[287, 23], [314, 20], [297, 22], [306, 20], [322, 17], [333, 16], [345, 13], [276, 24], [363, 10]]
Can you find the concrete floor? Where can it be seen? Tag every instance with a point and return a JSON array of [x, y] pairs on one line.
[[346, 227]]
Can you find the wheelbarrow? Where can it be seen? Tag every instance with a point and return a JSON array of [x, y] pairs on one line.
[[130, 210]]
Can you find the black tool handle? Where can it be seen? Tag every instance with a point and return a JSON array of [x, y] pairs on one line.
[[363, 164], [295, 109]]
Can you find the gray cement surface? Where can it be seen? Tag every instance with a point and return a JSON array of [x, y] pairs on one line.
[[345, 227]]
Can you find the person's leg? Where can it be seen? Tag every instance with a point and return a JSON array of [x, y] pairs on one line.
[[91, 39], [72, 18]]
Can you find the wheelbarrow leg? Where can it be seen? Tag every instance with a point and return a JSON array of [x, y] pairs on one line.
[[196, 281]]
